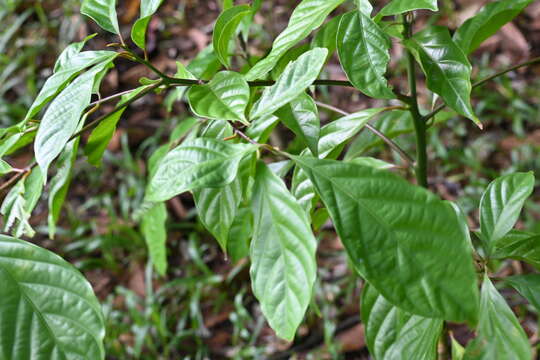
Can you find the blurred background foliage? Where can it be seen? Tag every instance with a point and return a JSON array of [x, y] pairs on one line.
[[203, 308]]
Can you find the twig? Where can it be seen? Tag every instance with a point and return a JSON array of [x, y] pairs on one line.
[[406, 157]]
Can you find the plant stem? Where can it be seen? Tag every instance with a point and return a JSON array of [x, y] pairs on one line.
[[419, 122]]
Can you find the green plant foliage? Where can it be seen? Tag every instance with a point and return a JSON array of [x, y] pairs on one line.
[[392, 333], [138, 31], [225, 30], [196, 164], [58, 81], [155, 234], [528, 286], [296, 78], [499, 330], [369, 221], [364, 54], [302, 117], [396, 7], [501, 204], [446, 67], [282, 252], [307, 16], [103, 12], [61, 119], [487, 22], [224, 98], [519, 246], [47, 302]]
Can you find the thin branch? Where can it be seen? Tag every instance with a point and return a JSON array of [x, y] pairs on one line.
[[257, 83], [110, 98], [483, 81], [406, 157]]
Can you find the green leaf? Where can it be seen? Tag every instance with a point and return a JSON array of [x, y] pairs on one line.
[[283, 266], [302, 117], [196, 164], [303, 190], [364, 6], [103, 12], [58, 81], [393, 334], [326, 36], [447, 69], [487, 22], [363, 50], [60, 184], [343, 129], [138, 31], [225, 97], [239, 234], [154, 230], [499, 329], [405, 241], [396, 7], [20, 202], [372, 162], [101, 136], [458, 351], [528, 286], [501, 204], [296, 78], [47, 307], [261, 128], [69, 52], [308, 15], [62, 117], [5, 168], [217, 209], [519, 246], [225, 30]]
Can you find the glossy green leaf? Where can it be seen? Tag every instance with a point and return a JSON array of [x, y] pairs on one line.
[[308, 15], [396, 7], [343, 129], [196, 164], [447, 69], [364, 55], [528, 286], [5, 168], [101, 136], [283, 266], [58, 81], [62, 118], [225, 30], [217, 209], [60, 184], [364, 6], [69, 52], [393, 334], [326, 36], [501, 205], [501, 335], [20, 202], [405, 241], [47, 307], [296, 78], [261, 128], [458, 351], [372, 162], [138, 31], [519, 246], [225, 97], [239, 235], [103, 12], [302, 117], [153, 227], [487, 22]]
